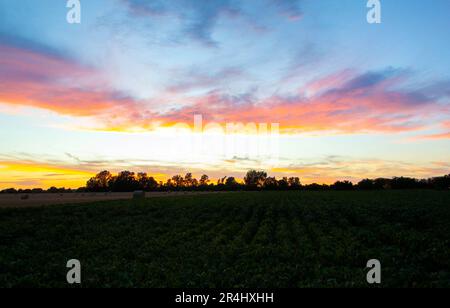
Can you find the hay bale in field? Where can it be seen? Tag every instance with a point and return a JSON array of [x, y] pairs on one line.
[[138, 195], [24, 197]]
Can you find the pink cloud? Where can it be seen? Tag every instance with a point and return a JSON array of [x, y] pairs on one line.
[[344, 102], [50, 82], [364, 103]]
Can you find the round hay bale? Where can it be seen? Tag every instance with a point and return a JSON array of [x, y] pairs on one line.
[[24, 197], [138, 195]]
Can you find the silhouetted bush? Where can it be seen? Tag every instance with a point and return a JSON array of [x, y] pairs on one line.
[[366, 184], [441, 183], [316, 187], [342, 185]]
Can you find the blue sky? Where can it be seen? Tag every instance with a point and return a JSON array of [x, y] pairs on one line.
[[351, 98]]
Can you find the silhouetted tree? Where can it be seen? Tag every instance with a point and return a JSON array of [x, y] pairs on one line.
[[255, 179], [178, 181], [231, 183], [270, 183], [124, 182], [100, 183], [221, 181], [283, 183], [169, 184], [190, 181], [204, 180], [146, 183], [294, 183]]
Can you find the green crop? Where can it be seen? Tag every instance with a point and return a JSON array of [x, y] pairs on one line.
[[249, 239]]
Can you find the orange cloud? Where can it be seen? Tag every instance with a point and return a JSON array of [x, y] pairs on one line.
[[343, 102], [444, 135], [31, 174], [436, 136]]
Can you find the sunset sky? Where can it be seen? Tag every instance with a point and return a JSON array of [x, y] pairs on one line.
[[352, 99]]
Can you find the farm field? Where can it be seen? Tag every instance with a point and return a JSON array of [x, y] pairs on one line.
[[248, 239], [36, 200]]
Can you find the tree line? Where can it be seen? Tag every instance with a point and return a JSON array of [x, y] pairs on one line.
[[127, 181]]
